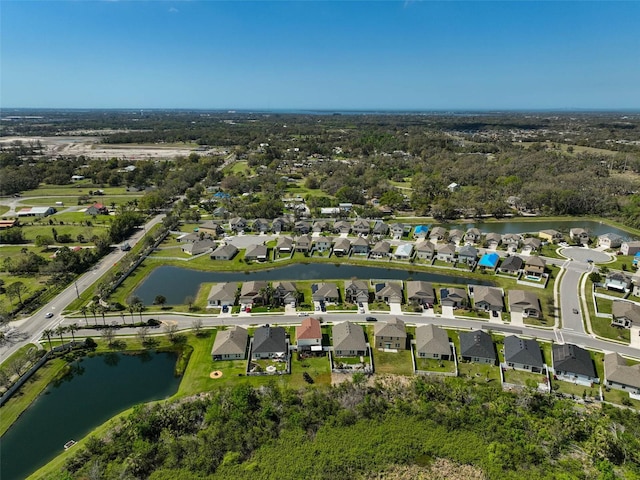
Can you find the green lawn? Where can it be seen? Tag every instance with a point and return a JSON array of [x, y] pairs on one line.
[[479, 372], [619, 261], [573, 389], [318, 368], [3, 209], [602, 326], [396, 363], [78, 188], [70, 201], [621, 398], [527, 379], [434, 365]]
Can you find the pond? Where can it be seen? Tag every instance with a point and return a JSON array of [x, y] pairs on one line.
[[514, 226], [176, 283], [97, 388]]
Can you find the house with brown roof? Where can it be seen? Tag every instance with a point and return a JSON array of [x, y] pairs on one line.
[[390, 335], [360, 246], [211, 228], [531, 244], [342, 226], [309, 335], [199, 246], [425, 250], [446, 253], [579, 236], [341, 246], [630, 248], [534, 266], [454, 297], [472, 235], [230, 344], [382, 249], [433, 342], [303, 243], [348, 340], [552, 236], [222, 294], [388, 292], [493, 240], [455, 236], [437, 234], [361, 227], [285, 293], [420, 293], [224, 252], [487, 298], [525, 302], [257, 253], [356, 291], [284, 245], [325, 292], [253, 292]]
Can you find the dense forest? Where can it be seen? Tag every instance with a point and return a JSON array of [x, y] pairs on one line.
[[357, 429]]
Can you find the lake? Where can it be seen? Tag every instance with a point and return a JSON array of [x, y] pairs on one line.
[[177, 283], [98, 388]]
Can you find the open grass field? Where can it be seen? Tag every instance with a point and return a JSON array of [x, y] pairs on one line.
[[70, 201], [398, 363], [3, 209], [79, 188], [526, 379], [239, 168], [435, 365]]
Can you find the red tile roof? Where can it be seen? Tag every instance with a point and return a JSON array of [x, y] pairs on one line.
[[309, 329]]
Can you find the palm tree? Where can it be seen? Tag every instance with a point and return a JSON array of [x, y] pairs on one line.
[[140, 309], [59, 331], [93, 307], [102, 310], [83, 310], [72, 329], [131, 310], [47, 333]]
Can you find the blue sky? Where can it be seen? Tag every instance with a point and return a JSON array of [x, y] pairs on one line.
[[410, 55]]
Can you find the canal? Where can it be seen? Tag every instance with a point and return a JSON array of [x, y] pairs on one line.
[[97, 388]]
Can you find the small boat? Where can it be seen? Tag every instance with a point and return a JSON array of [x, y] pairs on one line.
[[69, 444]]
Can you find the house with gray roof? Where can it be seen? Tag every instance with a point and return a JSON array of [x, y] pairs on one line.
[[420, 293], [523, 354], [321, 226], [281, 224], [303, 243], [573, 364], [477, 347], [199, 246], [256, 253], [472, 235], [531, 244], [625, 314], [356, 291], [230, 344], [630, 248], [222, 294], [342, 226], [437, 234], [302, 227], [237, 223], [284, 245], [382, 249], [224, 252], [397, 230], [253, 292], [468, 254], [525, 302], [389, 292], [446, 253], [261, 225], [621, 376], [425, 250], [285, 293], [433, 342], [360, 246], [380, 228], [341, 246], [487, 298], [348, 340], [390, 335], [511, 241], [579, 236], [322, 244], [269, 342], [455, 236], [617, 281], [325, 292], [454, 297], [361, 227], [511, 265]]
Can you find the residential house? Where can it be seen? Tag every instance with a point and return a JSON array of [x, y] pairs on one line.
[[253, 292], [325, 292], [361, 227], [525, 302], [382, 249], [341, 246], [552, 236], [309, 336], [303, 243], [397, 230], [421, 231], [322, 244], [522, 354], [360, 246], [573, 364], [189, 237], [284, 245], [493, 240], [438, 234], [433, 342], [281, 224], [390, 335], [446, 253], [341, 226], [199, 246], [261, 225], [256, 253], [489, 260], [621, 376], [531, 244], [321, 226], [625, 314], [348, 340], [238, 224], [356, 291], [511, 241], [636, 280], [455, 236], [487, 298], [302, 227], [220, 212], [269, 342], [472, 235], [630, 248], [97, 209], [534, 266], [403, 251], [617, 281], [380, 228], [609, 240], [467, 254], [579, 236], [285, 293], [389, 292], [511, 265], [39, 212], [453, 297], [477, 346], [222, 294], [425, 250], [230, 344], [224, 252], [420, 293], [211, 228]]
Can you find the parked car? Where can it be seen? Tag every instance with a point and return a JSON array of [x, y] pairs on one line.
[[494, 313], [225, 308], [360, 304], [371, 319], [361, 310]]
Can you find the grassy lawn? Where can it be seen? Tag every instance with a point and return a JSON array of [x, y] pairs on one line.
[[611, 293], [435, 365], [619, 261], [241, 167], [3, 209], [396, 363], [621, 398], [170, 252], [318, 368], [379, 306], [527, 379], [77, 188], [604, 305], [32, 284], [573, 389], [549, 250], [602, 326], [70, 201], [479, 372]]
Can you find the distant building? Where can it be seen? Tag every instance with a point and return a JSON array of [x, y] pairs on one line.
[[39, 212]]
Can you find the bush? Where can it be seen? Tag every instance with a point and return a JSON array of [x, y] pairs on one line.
[[152, 322], [90, 343]]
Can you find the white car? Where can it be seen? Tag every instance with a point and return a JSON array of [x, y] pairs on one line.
[[48, 315]]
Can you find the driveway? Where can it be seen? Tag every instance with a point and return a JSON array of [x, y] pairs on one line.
[[447, 312], [516, 319], [635, 337], [395, 308]]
